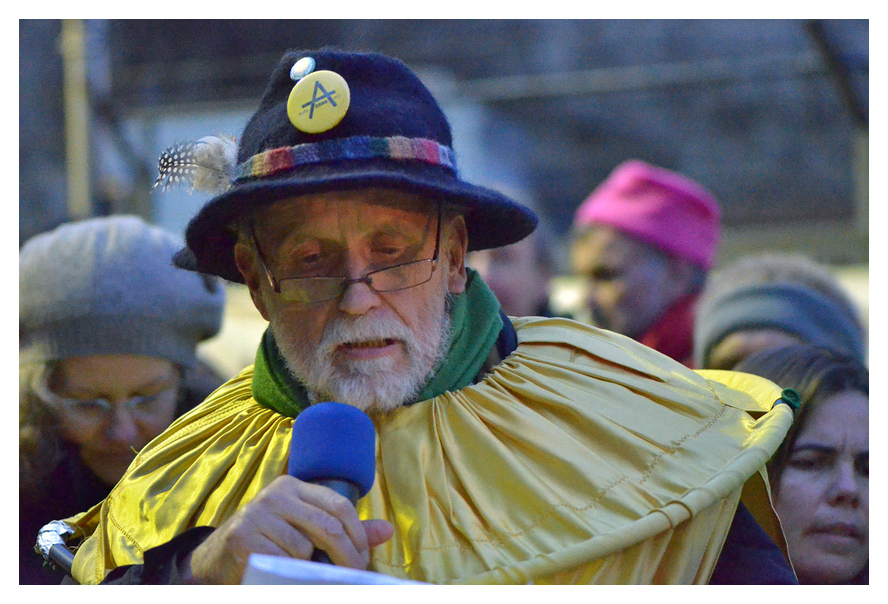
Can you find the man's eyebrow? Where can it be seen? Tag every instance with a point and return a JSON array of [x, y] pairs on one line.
[[397, 229], [294, 238]]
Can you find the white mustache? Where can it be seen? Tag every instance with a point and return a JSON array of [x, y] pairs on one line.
[[350, 331]]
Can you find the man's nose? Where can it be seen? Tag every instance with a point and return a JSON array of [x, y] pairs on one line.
[[359, 296]]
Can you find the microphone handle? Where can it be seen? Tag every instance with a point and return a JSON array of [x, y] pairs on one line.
[[347, 489]]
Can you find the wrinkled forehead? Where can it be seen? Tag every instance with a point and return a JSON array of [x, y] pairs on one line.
[[335, 209], [841, 419]]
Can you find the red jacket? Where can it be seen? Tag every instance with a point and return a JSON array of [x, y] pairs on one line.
[[673, 333]]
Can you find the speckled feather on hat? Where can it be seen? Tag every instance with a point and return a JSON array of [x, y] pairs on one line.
[[108, 286], [387, 102]]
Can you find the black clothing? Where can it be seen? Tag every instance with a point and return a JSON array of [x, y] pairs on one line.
[[750, 557], [70, 489]]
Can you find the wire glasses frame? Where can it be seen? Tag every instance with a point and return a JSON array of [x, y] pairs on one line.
[[312, 290], [147, 405]]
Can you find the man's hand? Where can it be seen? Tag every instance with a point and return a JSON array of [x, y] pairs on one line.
[[288, 518]]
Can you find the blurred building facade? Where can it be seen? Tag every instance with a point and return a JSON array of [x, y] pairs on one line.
[[771, 115]]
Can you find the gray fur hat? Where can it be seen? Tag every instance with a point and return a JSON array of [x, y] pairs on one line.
[[108, 286]]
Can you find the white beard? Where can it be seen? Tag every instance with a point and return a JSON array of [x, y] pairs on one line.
[[376, 385]]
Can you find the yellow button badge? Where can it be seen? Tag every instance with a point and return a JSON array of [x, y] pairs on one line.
[[318, 101]]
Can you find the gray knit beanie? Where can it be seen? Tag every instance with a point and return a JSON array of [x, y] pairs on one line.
[[108, 286], [794, 308]]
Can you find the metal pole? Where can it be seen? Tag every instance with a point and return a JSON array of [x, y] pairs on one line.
[[77, 147]]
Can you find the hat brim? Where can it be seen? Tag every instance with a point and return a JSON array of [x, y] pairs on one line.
[[492, 219]]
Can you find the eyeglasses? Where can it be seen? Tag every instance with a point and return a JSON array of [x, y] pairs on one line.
[[311, 290], [142, 406]]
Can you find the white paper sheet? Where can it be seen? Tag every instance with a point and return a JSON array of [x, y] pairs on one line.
[[279, 570]]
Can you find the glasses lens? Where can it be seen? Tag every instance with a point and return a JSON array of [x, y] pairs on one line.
[[94, 408], [308, 290], [402, 276], [99, 408], [311, 289], [151, 405]]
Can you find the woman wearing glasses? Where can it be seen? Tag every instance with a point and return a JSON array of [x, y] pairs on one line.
[[108, 330]]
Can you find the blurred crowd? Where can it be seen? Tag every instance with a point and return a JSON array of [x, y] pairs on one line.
[[110, 333]]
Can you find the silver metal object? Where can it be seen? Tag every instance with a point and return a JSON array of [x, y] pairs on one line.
[[302, 68], [51, 544]]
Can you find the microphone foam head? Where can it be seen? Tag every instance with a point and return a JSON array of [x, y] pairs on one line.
[[334, 441]]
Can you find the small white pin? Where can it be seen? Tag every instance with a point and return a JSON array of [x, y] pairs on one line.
[[302, 68]]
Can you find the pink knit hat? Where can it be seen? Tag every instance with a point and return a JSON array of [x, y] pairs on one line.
[[657, 206]]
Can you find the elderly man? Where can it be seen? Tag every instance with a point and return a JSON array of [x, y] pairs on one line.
[[645, 239], [507, 451]]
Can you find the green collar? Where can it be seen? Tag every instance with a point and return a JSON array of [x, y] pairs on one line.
[[475, 326]]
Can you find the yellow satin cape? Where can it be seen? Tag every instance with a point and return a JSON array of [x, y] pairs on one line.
[[583, 457]]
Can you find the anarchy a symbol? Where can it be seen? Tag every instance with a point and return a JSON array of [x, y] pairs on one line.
[[316, 98]]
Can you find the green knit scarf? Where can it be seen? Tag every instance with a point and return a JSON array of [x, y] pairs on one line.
[[475, 326]]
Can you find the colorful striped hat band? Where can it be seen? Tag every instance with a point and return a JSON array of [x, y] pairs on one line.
[[269, 163]]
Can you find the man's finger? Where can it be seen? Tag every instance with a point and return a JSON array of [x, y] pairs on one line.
[[378, 531], [330, 521]]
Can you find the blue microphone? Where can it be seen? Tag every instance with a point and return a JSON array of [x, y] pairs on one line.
[[334, 445]]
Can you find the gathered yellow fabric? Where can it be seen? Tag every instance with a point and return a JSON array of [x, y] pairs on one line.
[[583, 457]]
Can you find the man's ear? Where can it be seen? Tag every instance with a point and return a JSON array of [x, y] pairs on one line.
[[456, 253], [246, 264]]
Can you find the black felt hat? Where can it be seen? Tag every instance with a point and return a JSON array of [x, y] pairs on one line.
[[393, 134]]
